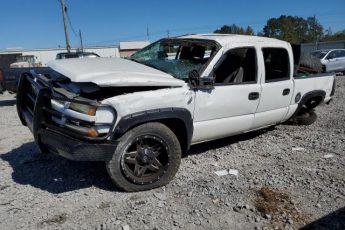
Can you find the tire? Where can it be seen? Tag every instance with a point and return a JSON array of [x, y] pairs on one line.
[[147, 156], [305, 117]]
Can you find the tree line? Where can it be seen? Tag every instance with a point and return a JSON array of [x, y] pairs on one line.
[[289, 28]]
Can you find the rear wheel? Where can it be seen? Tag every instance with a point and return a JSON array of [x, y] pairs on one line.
[[147, 157], [305, 117]]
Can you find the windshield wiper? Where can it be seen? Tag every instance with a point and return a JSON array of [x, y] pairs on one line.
[[135, 60]]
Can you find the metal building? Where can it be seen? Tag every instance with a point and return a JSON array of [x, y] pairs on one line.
[[128, 48]]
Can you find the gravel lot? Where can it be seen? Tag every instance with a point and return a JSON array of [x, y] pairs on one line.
[[288, 177]]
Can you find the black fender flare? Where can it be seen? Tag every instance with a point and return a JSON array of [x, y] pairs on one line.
[[306, 97], [130, 121]]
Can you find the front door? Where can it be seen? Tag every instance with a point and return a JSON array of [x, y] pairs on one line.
[[230, 106]]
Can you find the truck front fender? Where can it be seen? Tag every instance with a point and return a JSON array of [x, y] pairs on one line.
[[172, 117]]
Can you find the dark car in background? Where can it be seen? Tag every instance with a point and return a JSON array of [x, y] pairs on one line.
[[9, 76], [1, 80]]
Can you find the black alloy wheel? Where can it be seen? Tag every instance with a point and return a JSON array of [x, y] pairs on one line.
[[147, 156], [145, 159]]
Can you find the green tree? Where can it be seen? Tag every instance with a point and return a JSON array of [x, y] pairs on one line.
[[249, 31], [234, 29], [315, 29], [293, 29], [340, 35]]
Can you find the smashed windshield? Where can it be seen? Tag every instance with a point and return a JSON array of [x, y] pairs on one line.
[[176, 56]]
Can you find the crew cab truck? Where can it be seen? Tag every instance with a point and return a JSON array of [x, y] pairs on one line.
[[139, 114]]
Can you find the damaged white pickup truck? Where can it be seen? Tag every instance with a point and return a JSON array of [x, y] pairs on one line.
[[139, 114]]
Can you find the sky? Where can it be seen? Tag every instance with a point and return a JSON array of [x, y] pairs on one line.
[[39, 24]]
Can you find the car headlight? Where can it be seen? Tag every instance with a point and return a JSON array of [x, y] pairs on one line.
[[82, 108], [105, 115]]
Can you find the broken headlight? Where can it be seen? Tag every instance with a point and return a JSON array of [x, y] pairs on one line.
[[82, 108]]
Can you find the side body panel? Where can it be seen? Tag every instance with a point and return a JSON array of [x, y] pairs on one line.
[[306, 85], [224, 111], [180, 97]]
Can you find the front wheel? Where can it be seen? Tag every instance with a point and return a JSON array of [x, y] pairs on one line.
[[147, 157]]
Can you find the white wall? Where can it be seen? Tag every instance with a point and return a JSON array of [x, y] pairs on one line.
[[46, 55]]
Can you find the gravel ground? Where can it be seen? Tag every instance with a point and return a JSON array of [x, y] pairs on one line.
[[288, 177]]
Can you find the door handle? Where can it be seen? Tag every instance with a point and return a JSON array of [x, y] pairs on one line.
[[286, 92], [253, 96]]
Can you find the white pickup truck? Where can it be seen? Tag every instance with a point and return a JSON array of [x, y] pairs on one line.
[[139, 114]]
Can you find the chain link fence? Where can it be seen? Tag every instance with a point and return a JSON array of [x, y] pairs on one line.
[[309, 47]]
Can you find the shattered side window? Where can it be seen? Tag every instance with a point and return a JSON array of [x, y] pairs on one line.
[[176, 57]]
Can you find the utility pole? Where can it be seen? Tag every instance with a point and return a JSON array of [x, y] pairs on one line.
[[147, 33], [81, 41], [64, 16], [168, 33]]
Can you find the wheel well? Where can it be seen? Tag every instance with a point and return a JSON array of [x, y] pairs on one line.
[[177, 126], [179, 120], [313, 102], [179, 129]]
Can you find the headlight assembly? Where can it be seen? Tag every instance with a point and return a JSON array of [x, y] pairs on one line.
[[82, 108]]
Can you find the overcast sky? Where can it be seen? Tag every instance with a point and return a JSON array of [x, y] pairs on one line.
[[38, 23]]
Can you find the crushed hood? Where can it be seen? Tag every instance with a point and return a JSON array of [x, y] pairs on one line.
[[112, 72]]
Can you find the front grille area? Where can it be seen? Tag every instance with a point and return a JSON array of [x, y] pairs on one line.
[[41, 107]]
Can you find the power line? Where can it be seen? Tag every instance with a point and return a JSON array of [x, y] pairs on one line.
[[198, 29], [70, 24]]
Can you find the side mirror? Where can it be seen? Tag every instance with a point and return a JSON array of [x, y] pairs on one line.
[[194, 79], [197, 82]]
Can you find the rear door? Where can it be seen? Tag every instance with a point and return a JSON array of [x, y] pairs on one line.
[[276, 86]]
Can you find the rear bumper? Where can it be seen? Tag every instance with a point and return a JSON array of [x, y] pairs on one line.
[[75, 149], [327, 100]]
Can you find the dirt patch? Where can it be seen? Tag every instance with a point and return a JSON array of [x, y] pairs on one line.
[[57, 219], [104, 205], [279, 208]]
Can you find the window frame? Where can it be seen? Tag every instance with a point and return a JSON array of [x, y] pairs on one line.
[[340, 54], [202, 70], [264, 65], [219, 62]]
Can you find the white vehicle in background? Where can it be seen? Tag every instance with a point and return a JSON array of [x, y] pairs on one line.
[[67, 55], [333, 60], [25, 61], [139, 114]]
